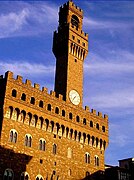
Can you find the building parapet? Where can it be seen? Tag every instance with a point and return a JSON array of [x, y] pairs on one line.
[[9, 76]]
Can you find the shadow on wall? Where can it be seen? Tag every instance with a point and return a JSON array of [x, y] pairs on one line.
[[98, 175], [2, 94], [11, 162]]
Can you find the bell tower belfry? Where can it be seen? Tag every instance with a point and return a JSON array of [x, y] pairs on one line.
[[70, 47]]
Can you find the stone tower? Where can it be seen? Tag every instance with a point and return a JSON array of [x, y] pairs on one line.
[[70, 47]]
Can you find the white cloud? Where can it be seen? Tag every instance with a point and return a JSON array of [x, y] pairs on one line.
[[26, 68], [122, 62], [12, 22], [116, 98], [28, 19]]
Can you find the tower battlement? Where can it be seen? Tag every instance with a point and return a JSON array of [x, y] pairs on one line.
[[71, 5]]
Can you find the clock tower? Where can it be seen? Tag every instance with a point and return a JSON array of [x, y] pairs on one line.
[[70, 47]]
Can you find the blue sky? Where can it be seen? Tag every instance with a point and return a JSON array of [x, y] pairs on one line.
[[26, 34]]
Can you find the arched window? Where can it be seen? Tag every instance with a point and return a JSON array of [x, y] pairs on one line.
[[54, 148], [69, 172], [13, 136], [49, 107], [103, 128], [24, 176], [28, 140], [32, 100], [91, 123], [63, 113], [69, 152], [14, 93], [41, 104], [87, 173], [97, 142], [77, 118], [39, 177], [23, 97], [96, 159], [97, 126], [57, 110], [84, 121], [75, 21], [8, 174], [87, 158], [70, 116], [42, 145]]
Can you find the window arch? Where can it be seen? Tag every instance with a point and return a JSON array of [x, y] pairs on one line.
[[63, 113], [39, 177], [28, 140], [54, 149], [91, 123], [42, 144], [87, 158], [75, 21], [70, 116], [41, 104], [87, 173], [69, 172], [9, 112], [96, 159], [14, 93], [23, 97], [57, 110], [77, 118], [13, 136], [24, 176], [103, 128], [49, 107], [32, 101], [8, 174], [84, 121], [97, 126], [69, 152]]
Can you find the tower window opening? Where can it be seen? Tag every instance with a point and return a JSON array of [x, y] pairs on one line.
[[49, 107], [77, 118], [57, 110], [63, 113], [78, 40], [103, 128], [70, 116], [75, 21], [32, 100], [14, 93], [41, 104], [54, 149], [73, 37], [23, 97]]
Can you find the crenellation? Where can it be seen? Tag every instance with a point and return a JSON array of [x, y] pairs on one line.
[[36, 86], [93, 111], [106, 116], [19, 78], [87, 108], [28, 82], [44, 89], [100, 114], [60, 97], [9, 75], [53, 93]]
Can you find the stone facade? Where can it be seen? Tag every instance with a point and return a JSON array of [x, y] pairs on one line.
[[43, 135]]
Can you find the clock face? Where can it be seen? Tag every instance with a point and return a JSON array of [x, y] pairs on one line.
[[74, 97]]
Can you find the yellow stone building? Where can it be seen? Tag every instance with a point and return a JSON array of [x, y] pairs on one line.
[[50, 136]]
